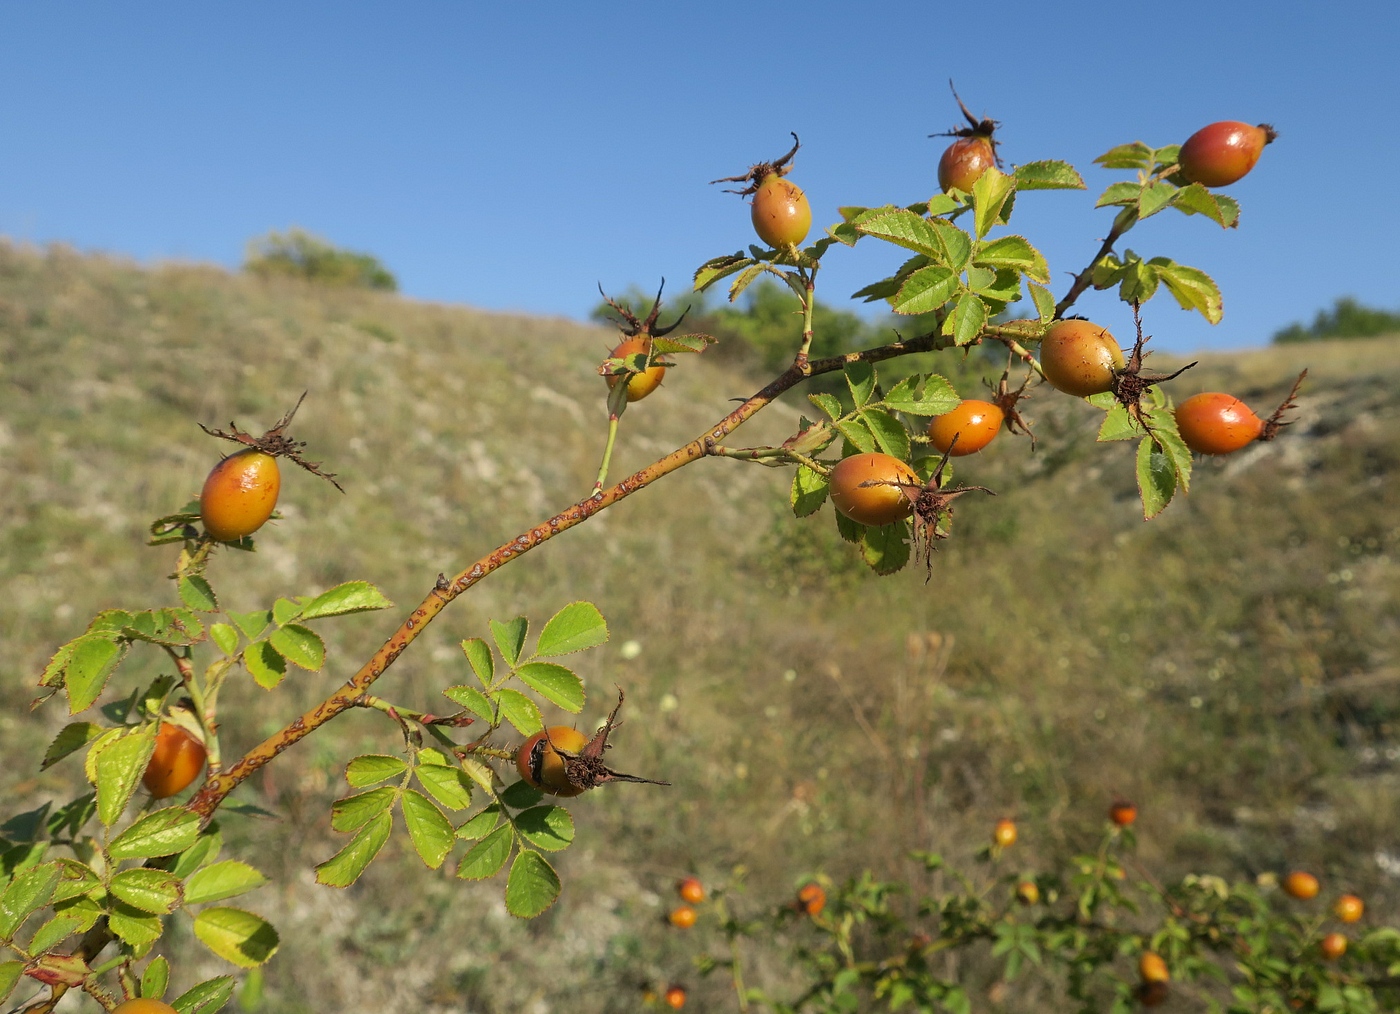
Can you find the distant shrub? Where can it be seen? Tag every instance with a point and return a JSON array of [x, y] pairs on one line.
[[1346, 319], [298, 254]]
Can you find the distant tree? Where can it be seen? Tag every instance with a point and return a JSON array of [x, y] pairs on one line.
[[298, 254], [1346, 319]]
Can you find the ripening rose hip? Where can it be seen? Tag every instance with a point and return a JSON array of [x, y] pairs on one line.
[[1080, 358], [552, 777], [881, 502], [239, 495], [1151, 968], [1349, 908], [811, 899], [143, 1005], [1217, 423], [1004, 834], [1301, 885], [1122, 813], [964, 161], [1333, 946], [640, 384], [175, 762], [782, 216], [974, 423], [690, 889], [1223, 153]]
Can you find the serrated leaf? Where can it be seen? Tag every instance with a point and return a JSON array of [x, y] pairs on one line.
[[73, 737], [1193, 288], [890, 434], [520, 711], [925, 290], [966, 321], [343, 599], [299, 645], [1195, 199], [1044, 301], [264, 664], [252, 624], [486, 857], [84, 908], [719, 267], [555, 683], [370, 768], [119, 767], [1138, 281], [52, 933], [208, 997], [345, 867], [239, 937], [10, 972], [744, 279], [809, 491], [472, 699], [1162, 421], [74, 879], [1118, 425], [1014, 252], [155, 978], [850, 531], [510, 638], [28, 892], [284, 611], [828, 404], [547, 827], [162, 833], [532, 886], [482, 774], [431, 832], [480, 823], [922, 396], [154, 891], [351, 813], [448, 784], [1048, 175], [1156, 478], [521, 795], [227, 879], [576, 627], [857, 434], [681, 343], [1119, 195], [989, 193], [1155, 197], [93, 659], [204, 851], [196, 593], [886, 549], [860, 381], [225, 637], [906, 229], [1128, 156], [135, 928]]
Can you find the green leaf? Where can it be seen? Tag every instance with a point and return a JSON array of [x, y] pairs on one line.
[[1047, 175], [472, 699], [1155, 197], [745, 278], [926, 290], [84, 908], [1156, 478], [448, 784], [30, 891], [486, 857], [75, 879], [73, 737], [370, 768], [119, 766], [1014, 252], [432, 833], [93, 659], [350, 597], [196, 593], [10, 972], [828, 404], [208, 997], [906, 229], [162, 833], [719, 267], [922, 396], [510, 638], [299, 645], [264, 664], [225, 637], [1193, 288], [345, 867], [890, 434], [1162, 422], [135, 928], [850, 531], [204, 851], [239, 937], [1119, 195], [860, 380], [353, 812], [480, 823], [532, 887], [54, 932], [227, 879], [154, 891], [1128, 156], [483, 774], [989, 194], [1044, 301], [521, 795], [483, 663], [1197, 200], [857, 434], [520, 711], [1118, 425], [886, 549], [809, 491], [577, 626], [968, 318], [555, 683], [155, 978], [548, 827], [252, 624], [284, 611]]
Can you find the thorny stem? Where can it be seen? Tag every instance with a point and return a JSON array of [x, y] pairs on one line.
[[809, 302], [1083, 280], [763, 454]]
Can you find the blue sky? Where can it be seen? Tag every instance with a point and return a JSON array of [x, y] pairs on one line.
[[513, 156]]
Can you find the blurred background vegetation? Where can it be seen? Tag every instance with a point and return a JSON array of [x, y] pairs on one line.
[[1232, 667], [1346, 319], [298, 254]]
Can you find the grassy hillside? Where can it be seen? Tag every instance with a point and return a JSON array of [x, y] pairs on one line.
[[1231, 666]]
